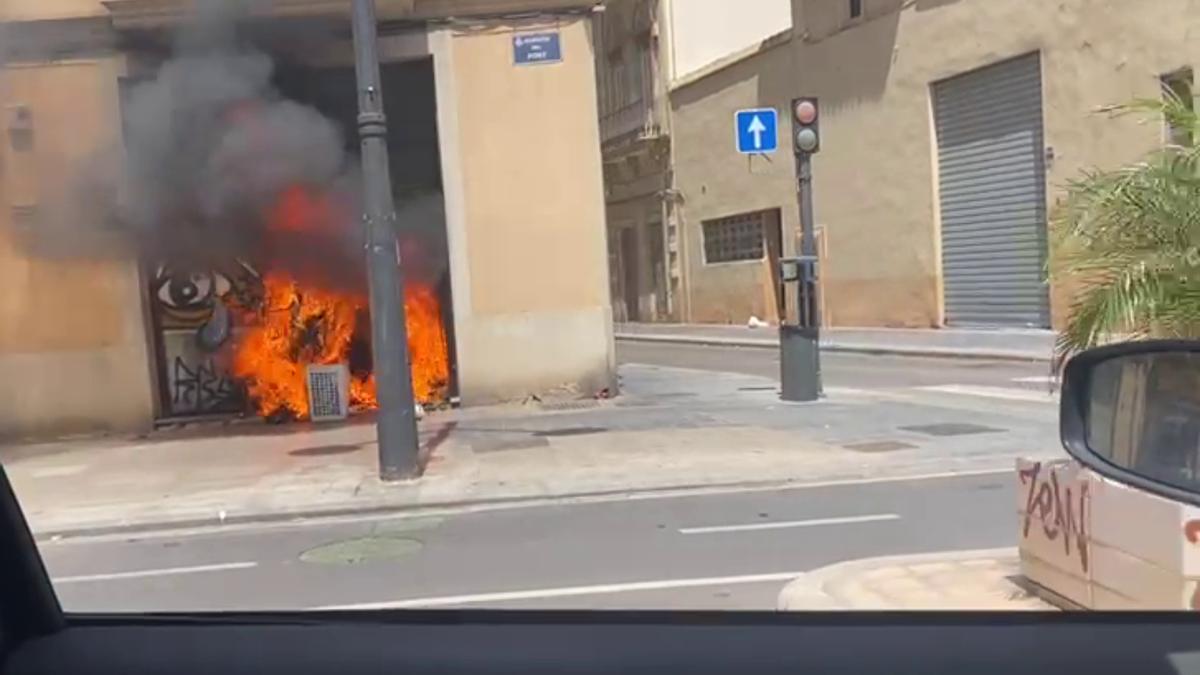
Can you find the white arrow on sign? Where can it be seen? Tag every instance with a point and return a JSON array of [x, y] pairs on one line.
[[756, 129]]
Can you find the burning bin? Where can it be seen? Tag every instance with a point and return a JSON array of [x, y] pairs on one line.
[[328, 392]]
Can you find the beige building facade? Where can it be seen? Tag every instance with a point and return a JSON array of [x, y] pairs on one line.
[[523, 219], [644, 48], [948, 130]]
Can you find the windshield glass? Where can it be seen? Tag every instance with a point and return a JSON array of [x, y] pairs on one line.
[[624, 304]]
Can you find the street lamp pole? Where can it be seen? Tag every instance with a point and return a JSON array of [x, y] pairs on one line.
[[396, 424]]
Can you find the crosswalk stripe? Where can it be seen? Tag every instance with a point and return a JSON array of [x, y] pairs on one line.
[[1007, 393]]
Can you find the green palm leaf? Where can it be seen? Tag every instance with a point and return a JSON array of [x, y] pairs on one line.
[[1129, 241]]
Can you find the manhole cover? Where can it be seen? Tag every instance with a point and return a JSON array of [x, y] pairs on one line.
[[365, 549], [571, 431], [951, 429], [879, 446], [322, 450]]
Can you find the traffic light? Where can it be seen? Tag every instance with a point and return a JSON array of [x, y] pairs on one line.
[[806, 125]]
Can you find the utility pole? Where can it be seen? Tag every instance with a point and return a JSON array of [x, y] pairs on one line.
[[800, 344], [396, 424]]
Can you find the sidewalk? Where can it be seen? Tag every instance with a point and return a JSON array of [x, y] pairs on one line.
[[959, 580], [672, 429], [1004, 344]]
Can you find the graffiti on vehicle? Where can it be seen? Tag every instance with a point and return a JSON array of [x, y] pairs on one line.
[[1061, 510], [1191, 532]]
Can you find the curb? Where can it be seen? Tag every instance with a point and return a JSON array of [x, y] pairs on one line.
[[475, 505], [842, 347], [808, 591], [398, 509]]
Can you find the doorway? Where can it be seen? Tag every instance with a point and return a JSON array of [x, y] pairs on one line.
[[773, 233], [629, 273]]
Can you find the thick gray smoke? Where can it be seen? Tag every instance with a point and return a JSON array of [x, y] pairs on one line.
[[208, 148]]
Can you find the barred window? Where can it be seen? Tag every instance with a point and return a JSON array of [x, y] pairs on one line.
[[1178, 85], [734, 238]]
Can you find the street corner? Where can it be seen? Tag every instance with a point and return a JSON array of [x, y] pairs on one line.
[[804, 593], [979, 580]]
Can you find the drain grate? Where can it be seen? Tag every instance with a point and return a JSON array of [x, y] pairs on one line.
[[500, 444], [879, 446], [759, 388], [571, 431], [323, 450], [636, 403], [585, 404], [951, 429]]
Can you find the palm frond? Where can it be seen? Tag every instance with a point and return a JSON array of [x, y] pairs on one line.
[[1129, 240]]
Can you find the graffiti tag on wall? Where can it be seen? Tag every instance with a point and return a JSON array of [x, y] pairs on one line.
[[200, 388], [191, 317], [1061, 510]]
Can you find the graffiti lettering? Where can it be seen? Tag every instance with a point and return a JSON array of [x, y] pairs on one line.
[[1191, 532], [200, 388], [1060, 511]]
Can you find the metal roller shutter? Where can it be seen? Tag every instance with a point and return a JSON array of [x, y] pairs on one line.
[[992, 183]]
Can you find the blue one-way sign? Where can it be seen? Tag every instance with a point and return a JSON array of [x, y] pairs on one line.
[[757, 130]]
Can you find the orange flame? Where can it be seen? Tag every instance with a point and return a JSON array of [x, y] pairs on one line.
[[299, 324]]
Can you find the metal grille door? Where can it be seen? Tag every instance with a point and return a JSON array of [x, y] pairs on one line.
[[992, 183]]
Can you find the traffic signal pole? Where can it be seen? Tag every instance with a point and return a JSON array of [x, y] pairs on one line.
[[800, 344], [396, 425], [810, 301]]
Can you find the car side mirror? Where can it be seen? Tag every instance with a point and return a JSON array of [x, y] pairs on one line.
[[1131, 412]]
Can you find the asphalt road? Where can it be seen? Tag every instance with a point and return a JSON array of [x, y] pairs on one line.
[[715, 551], [841, 369], [732, 550]]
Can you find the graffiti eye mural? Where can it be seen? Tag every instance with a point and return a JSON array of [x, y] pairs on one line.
[[186, 298], [180, 292], [191, 311]]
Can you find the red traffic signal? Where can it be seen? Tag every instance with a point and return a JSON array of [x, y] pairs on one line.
[[806, 120]]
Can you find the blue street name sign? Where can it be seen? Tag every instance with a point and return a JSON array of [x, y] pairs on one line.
[[536, 48]]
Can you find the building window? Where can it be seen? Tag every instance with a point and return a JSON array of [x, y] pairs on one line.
[[855, 8], [1177, 88], [734, 238]]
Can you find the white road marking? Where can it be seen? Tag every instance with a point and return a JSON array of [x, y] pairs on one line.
[[1008, 393], [784, 524], [166, 571], [1036, 379], [846, 391], [532, 503], [571, 591], [58, 471]]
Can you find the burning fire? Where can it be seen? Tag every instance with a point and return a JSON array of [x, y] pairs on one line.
[[300, 323]]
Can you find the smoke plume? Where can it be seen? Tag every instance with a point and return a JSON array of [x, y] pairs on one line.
[[208, 147]]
